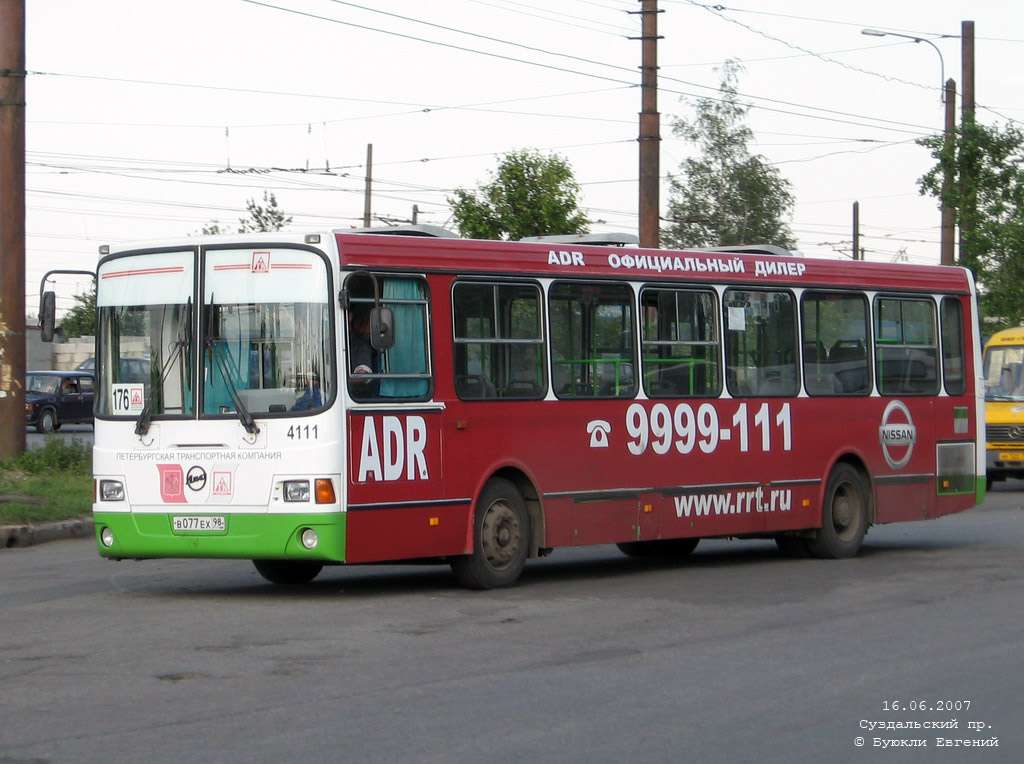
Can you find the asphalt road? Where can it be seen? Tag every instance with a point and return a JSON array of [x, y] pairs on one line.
[[735, 655]]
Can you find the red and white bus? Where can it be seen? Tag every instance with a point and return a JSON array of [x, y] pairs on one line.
[[345, 397]]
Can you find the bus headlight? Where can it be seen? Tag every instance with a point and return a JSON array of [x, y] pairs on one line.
[[309, 538], [107, 537], [296, 490], [111, 490]]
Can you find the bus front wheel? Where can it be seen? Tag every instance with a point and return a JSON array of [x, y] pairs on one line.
[[501, 539], [288, 572], [844, 515]]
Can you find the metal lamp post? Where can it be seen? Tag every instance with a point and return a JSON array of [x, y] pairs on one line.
[[948, 96]]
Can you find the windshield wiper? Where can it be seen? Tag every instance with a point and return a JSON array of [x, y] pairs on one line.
[[180, 344], [244, 416]]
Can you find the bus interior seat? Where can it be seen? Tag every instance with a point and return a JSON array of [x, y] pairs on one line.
[[847, 350], [474, 386], [814, 351], [613, 389], [523, 388]]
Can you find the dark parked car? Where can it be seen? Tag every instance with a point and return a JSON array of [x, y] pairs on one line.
[[55, 397], [132, 369]]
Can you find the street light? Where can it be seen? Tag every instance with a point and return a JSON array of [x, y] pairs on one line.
[[942, 62], [947, 94]]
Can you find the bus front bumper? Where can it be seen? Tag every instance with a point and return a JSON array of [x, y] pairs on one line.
[[1004, 462], [140, 535]]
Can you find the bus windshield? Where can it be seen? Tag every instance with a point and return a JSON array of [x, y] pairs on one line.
[[144, 303], [261, 335], [266, 333], [1004, 373]]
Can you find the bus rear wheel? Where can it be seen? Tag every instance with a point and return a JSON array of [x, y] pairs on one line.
[[664, 548], [501, 539], [844, 515], [288, 572]]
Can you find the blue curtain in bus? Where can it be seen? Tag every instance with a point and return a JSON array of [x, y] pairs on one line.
[[231, 356], [409, 355]]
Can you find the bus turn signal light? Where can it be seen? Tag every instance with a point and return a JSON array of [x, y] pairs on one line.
[[325, 491]]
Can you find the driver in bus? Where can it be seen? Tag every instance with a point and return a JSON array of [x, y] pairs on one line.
[[307, 391], [362, 356]]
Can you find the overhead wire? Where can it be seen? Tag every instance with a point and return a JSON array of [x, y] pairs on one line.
[[574, 23], [535, 64]]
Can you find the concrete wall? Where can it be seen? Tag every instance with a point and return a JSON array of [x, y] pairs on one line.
[[67, 355], [38, 354], [44, 356]]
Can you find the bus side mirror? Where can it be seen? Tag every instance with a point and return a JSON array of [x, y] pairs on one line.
[[382, 328], [47, 316]]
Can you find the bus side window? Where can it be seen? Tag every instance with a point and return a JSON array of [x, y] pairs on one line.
[[593, 353], [499, 341], [760, 345], [835, 356], [679, 343], [403, 370], [953, 363], [906, 346]]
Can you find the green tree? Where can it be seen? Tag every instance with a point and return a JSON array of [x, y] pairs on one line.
[[262, 218], [265, 217], [80, 321], [530, 195], [213, 228], [725, 196], [987, 195]]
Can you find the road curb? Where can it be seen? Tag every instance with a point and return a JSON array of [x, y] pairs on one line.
[[30, 534]]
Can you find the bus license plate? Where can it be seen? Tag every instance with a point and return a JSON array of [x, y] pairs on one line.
[[199, 523], [1011, 456]]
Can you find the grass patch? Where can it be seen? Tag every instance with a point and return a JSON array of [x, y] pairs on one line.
[[49, 483]]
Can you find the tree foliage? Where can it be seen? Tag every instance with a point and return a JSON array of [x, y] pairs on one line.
[[530, 194], [80, 321], [213, 228], [987, 195], [263, 217], [725, 196]]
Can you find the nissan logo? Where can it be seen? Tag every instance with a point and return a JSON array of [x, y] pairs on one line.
[[896, 434]]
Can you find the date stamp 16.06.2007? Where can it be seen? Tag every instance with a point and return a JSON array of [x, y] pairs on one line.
[[925, 723]]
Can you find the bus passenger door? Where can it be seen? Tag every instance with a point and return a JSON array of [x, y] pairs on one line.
[[906, 478], [397, 508]]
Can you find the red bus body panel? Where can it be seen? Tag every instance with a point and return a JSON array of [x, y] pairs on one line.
[[606, 493]]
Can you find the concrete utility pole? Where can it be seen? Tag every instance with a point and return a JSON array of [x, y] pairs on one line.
[[856, 231], [12, 228], [967, 173], [367, 193], [946, 255], [967, 75], [650, 127]]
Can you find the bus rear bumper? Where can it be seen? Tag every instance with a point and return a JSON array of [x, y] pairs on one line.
[[136, 535]]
